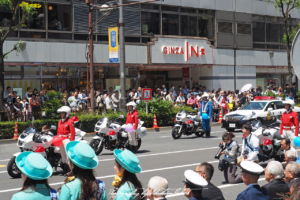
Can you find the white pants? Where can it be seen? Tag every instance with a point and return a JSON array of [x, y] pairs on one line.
[[290, 134], [132, 138], [63, 153]]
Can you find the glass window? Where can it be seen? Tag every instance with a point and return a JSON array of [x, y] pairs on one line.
[[259, 46], [37, 21], [82, 37], [13, 34], [206, 27], [49, 70], [6, 16], [271, 19], [64, 36], [145, 40], [31, 70], [12, 70], [207, 12], [271, 46], [150, 6], [169, 8], [150, 23], [188, 25], [170, 24], [188, 10], [279, 105], [59, 17], [258, 32], [272, 32], [132, 39], [254, 106], [103, 38], [28, 34]]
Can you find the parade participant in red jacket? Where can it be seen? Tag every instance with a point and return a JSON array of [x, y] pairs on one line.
[[132, 118], [65, 128], [289, 118]]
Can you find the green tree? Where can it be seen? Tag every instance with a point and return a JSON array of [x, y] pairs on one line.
[[285, 8], [13, 7]]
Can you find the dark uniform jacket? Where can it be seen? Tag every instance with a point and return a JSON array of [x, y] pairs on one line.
[[212, 192], [253, 192], [198, 198], [276, 187]]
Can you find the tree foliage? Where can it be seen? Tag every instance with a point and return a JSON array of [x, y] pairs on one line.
[[54, 101]]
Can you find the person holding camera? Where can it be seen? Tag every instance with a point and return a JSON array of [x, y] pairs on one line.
[[231, 152]]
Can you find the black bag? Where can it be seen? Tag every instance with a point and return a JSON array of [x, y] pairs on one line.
[[226, 162]]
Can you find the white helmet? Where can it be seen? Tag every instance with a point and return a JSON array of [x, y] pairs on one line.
[[131, 104], [65, 109], [205, 94], [290, 102]]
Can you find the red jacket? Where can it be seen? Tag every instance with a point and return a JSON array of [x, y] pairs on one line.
[[133, 118], [66, 127], [289, 119]]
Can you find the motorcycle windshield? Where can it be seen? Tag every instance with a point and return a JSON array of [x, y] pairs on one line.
[[101, 121], [30, 130], [256, 125], [104, 122]]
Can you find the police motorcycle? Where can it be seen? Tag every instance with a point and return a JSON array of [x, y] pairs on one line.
[[269, 139], [111, 135], [40, 142], [187, 124]]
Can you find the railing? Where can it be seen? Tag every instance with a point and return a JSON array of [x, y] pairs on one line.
[[19, 116]]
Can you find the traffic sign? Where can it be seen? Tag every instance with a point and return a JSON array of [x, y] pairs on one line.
[[147, 94]]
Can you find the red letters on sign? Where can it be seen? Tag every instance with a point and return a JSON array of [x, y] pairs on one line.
[[202, 51], [194, 51], [165, 50], [180, 50]]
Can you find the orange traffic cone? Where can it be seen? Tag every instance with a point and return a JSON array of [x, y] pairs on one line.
[[220, 117], [155, 122], [16, 132]]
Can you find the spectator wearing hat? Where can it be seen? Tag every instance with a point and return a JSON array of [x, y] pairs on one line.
[[275, 186], [193, 185], [82, 161], [126, 167], [157, 188], [35, 177], [290, 97], [116, 100], [210, 191], [250, 175]]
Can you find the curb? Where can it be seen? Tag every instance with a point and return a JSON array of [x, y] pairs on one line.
[[10, 141]]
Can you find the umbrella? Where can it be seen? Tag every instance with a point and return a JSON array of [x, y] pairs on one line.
[[246, 87]]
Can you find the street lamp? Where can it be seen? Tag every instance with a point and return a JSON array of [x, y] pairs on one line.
[[108, 8]]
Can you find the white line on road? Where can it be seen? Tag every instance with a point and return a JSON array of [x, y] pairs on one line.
[[211, 132], [4, 160], [2, 172]]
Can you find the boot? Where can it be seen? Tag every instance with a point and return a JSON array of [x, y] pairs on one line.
[[207, 134], [133, 148], [66, 169]]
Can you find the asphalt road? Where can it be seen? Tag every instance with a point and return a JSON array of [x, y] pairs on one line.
[[160, 155]]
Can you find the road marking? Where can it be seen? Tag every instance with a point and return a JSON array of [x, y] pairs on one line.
[[4, 160], [2, 172], [221, 186], [164, 136], [2, 165], [172, 152]]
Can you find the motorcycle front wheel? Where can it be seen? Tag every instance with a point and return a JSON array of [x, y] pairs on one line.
[[94, 144], [175, 132], [199, 134], [139, 143], [12, 168]]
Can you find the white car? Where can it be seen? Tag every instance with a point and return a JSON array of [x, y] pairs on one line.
[[266, 111]]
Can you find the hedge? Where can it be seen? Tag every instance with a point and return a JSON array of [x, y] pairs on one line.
[[87, 122]]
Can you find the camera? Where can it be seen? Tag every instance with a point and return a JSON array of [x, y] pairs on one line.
[[218, 155], [245, 153]]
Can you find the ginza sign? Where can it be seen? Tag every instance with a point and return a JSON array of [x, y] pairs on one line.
[[187, 51]]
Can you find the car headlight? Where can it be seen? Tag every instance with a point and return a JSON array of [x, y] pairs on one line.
[[247, 117]]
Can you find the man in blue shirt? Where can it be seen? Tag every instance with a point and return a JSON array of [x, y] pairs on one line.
[[290, 97], [174, 91], [251, 172], [185, 90], [7, 94]]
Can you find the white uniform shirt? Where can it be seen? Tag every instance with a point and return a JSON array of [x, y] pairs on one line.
[[253, 142]]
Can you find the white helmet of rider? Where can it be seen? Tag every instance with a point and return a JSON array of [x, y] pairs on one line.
[[289, 102], [205, 94], [65, 109], [131, 104]]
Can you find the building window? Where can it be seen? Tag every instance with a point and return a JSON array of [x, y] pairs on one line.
[[29, 34], [64, 36], [188, 25], [6, 16], [37, 20], [188, 10], [258, 32], [272, 32], [169, 8], [150, 23], [59, 17], [206, 27], [170, 24], [150, 6]]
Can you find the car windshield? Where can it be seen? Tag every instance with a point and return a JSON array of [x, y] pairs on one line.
[[254, 105]]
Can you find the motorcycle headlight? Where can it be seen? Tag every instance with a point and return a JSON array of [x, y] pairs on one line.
[[247, 117]]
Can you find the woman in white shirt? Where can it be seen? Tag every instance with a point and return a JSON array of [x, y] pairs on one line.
[[108, 101]]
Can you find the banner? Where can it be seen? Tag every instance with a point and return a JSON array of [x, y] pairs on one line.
[[113, 44]]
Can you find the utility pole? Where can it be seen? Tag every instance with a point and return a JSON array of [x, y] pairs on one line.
[[88, 2], [122, 58]]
